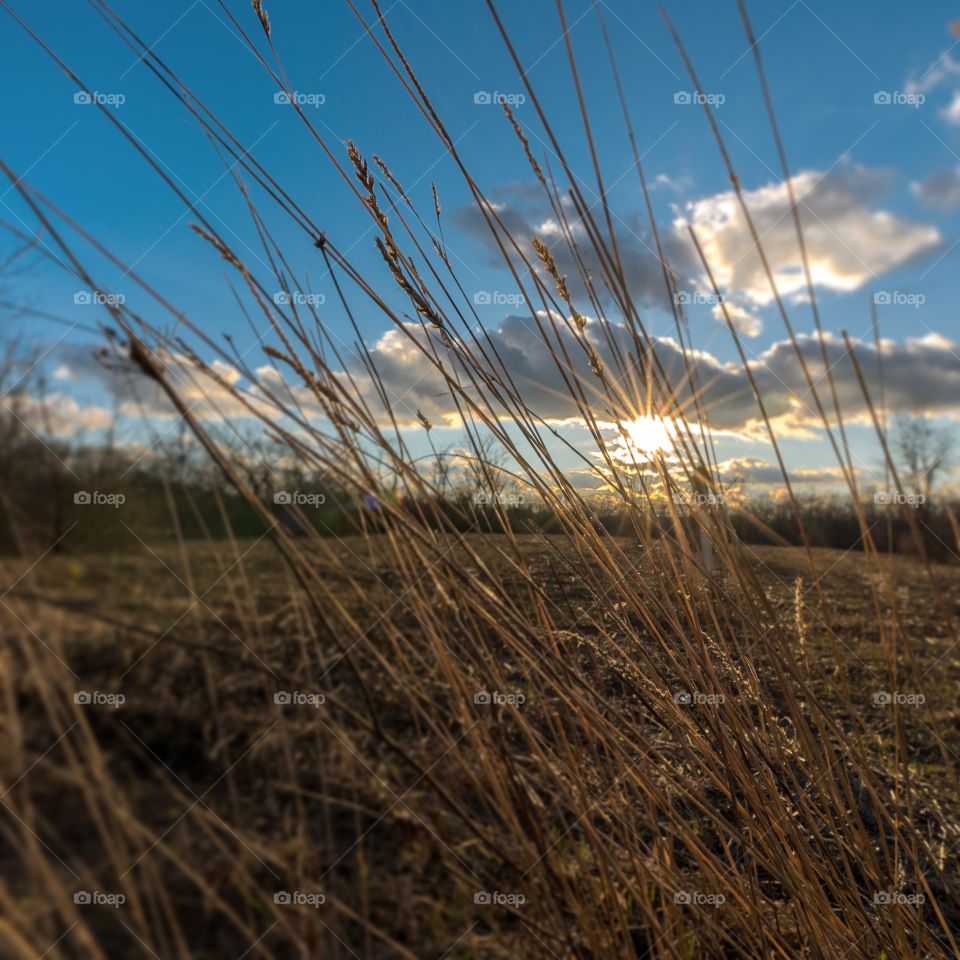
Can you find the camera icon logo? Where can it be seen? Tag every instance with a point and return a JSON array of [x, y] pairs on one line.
[[882, 97], [82, 297], [282, 697], [482, 897], [82, 897], [682, 297], [282, 496], [482, 697], [882, 698], [482, 298], [282, 896], [683, 698], [282, 298], [282, 98], [882, 298], [82, 497], [82, 97], [82, 697], [682, 897], [482, 97], [683, 96]]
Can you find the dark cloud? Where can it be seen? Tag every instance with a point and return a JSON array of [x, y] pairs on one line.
[[919, 375], [525, 214], [940, 190]]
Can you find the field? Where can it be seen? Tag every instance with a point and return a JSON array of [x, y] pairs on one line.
[[455, 513], [198, 784]]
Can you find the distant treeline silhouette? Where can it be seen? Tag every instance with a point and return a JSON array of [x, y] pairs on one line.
[[100, 498]]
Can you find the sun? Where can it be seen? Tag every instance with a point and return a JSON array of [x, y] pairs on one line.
[[648, 435]]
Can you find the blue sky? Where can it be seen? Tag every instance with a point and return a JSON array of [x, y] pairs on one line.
[[886, 171]]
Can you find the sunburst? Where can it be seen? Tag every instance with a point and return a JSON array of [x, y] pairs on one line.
[[649, 435]]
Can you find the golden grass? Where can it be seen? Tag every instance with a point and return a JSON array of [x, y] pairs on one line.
[[578, 746]]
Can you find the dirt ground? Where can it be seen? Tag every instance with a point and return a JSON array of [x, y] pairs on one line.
[[154, 625]]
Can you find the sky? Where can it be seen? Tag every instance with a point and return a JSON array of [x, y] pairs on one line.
[[867, 97]]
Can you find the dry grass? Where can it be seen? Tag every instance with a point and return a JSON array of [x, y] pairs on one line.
[[248, 797], [679, 778]]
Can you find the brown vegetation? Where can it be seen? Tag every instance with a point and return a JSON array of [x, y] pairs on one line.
[[576, 745]]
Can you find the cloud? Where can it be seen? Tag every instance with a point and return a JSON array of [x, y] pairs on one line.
[[59, 415], [951, 112], [745, 322], [940, 190], [944, 73], [740, 477], [206, 398], [919, 375], [755, 471], [849, 241], [676, 184], [525, 214]]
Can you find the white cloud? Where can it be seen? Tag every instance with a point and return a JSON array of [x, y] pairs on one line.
[[676, 184], [951, 112], [945, 73], [59, 415], [942, 72], [744, 322], [848, 242]]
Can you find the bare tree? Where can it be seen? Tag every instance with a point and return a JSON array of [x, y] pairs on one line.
[[925, 451], [443, 464], [486, 467]]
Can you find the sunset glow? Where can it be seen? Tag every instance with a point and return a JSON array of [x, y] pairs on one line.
[[648, 435]]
